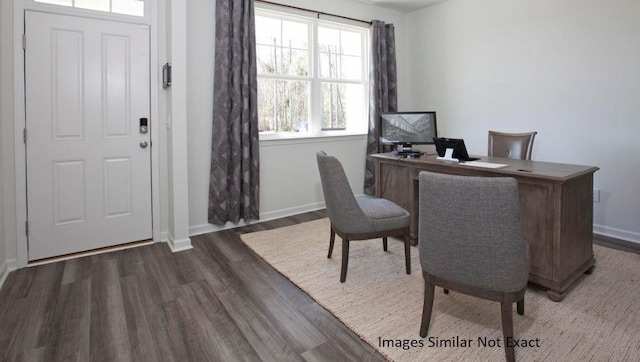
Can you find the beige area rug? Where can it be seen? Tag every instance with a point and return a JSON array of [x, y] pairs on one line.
[[598, 321]]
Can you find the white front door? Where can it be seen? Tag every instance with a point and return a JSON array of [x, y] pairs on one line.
[[88, 168]]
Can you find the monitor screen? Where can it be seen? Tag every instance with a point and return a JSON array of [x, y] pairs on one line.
[[457, 144], [407, 128]]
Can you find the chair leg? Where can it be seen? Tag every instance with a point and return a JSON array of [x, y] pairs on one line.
[[427, 306], [345, 259], [332, 239], [520, 306], [446, 291], [507, 329], [407, 254], [384, 243]]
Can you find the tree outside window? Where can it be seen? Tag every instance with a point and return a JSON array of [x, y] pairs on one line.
[[311, 76]]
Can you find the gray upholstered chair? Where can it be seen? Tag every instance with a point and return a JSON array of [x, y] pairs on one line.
[[470, 241], [511, 145], [358, 218]]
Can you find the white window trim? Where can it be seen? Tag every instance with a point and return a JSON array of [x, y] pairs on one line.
[[316, 81]]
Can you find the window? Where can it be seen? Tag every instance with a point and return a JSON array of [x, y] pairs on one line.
[[312, 76], [126, 7]]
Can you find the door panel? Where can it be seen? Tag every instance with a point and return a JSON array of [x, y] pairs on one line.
[[88, 180], [68, 192]]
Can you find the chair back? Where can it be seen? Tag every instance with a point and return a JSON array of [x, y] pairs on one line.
[[470, 231], [511, 145], [341, 204]]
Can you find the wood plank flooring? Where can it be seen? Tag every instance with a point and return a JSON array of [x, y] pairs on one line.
[[217, 302]]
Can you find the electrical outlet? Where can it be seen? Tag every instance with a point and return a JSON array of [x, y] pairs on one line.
[[596, 195]]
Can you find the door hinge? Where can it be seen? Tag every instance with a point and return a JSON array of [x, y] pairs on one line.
[[24, 41], [24, 135], [26, 228]]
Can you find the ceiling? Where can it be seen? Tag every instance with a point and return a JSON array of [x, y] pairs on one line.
[[405, 6]]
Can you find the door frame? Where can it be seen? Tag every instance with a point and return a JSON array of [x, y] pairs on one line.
[[151, 19]]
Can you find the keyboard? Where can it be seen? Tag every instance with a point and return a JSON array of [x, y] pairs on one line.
[[484, 164], [409, 154]]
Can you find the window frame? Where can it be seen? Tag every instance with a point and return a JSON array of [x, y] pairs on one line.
[[107, 15], [353, 126]]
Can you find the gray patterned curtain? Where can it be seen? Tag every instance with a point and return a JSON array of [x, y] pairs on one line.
[[234, 182], [383, 95]]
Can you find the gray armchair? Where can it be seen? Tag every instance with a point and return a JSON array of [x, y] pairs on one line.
[[470, 241], [511, 145], [358, 218]]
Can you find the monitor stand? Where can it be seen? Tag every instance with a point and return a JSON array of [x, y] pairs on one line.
[[448, 156], [404, 148]]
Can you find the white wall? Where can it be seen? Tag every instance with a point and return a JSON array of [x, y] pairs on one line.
[[177, 140], [569, 69], [6, 100], [289, 178]]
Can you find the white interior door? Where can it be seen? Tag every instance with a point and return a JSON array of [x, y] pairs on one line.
[[88, 175]]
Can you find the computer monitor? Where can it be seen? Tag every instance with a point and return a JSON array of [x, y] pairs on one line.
[[452, 149], [405, 129]]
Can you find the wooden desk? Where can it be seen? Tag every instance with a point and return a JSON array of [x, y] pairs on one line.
[[556, 209]]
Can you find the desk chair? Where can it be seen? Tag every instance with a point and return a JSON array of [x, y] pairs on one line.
[[358, 218], [470, 241], [511, 145]]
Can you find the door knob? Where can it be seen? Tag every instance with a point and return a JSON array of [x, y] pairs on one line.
[[143, 144]]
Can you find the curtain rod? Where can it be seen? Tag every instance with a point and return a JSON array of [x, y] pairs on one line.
[[313, 11]]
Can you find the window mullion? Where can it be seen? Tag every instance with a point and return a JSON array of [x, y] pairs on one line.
[[316, 90], [137, 8]]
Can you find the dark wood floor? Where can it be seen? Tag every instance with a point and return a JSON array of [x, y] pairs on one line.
[[216, 302]]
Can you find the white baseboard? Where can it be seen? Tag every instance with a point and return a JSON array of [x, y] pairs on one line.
[[209, 228], [164, 236], [617, 233], [178, 245], [291, 211], [7, 267]]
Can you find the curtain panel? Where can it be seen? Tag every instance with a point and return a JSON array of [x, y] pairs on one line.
[[234, 183], [383, 96]]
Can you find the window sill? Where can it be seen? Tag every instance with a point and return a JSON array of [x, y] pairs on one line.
[[275, 140]]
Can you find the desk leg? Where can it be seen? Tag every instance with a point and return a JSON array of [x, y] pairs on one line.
[[558, 294]]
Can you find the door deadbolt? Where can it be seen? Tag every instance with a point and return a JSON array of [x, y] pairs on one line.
[[143, 144], [144, 125]]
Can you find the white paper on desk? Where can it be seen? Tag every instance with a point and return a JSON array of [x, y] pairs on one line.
[[485, 164]]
